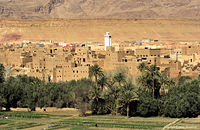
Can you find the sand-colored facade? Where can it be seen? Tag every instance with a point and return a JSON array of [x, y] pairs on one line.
[[57, 63]]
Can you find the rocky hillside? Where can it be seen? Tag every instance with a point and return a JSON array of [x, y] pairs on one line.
[[99, 8]]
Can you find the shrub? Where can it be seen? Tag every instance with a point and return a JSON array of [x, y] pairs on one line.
[[147, 105], [183, 101]]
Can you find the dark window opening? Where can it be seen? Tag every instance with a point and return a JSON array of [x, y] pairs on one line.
[[167, 56]]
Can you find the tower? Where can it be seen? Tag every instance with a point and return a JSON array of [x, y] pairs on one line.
[[107, 40]]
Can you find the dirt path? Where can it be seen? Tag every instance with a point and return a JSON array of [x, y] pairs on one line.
[[185, 123], [171, 124]]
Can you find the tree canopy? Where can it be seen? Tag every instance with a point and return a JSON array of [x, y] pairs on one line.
[[106, 94]]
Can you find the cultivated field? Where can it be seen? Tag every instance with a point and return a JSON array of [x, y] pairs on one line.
[[69, 119], [76, 30]]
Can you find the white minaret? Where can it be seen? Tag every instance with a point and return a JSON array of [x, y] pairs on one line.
[[107, 39]]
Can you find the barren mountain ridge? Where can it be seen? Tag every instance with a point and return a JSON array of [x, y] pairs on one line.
[[99, 9]]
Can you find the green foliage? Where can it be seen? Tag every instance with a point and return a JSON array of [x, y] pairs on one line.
[[147, 106], [2, 71], [30, 92], [81, 95], [111, 99], [120, 78], [102, 81], [95, 71], [183, 101], [126, 96], [152, 80], [97, 103], [2, 99], [108, 94], [11, 91], [23, 114], [184, 79]]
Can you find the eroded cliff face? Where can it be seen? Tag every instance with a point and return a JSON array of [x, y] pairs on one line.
[[47, 8], [99, 8]]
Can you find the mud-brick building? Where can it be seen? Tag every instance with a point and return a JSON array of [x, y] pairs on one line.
[[190, 49], [147, 52], [56, 63]]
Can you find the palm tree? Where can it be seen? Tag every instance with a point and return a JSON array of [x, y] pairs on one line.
[[149, 79], [153, 74], [94, 96], [142, 67], [120, 78], [95, 71], [165, 81], [102, 81], [127, 95], [8, 72]]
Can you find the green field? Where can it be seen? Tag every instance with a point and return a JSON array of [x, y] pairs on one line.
[[65, 120]]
